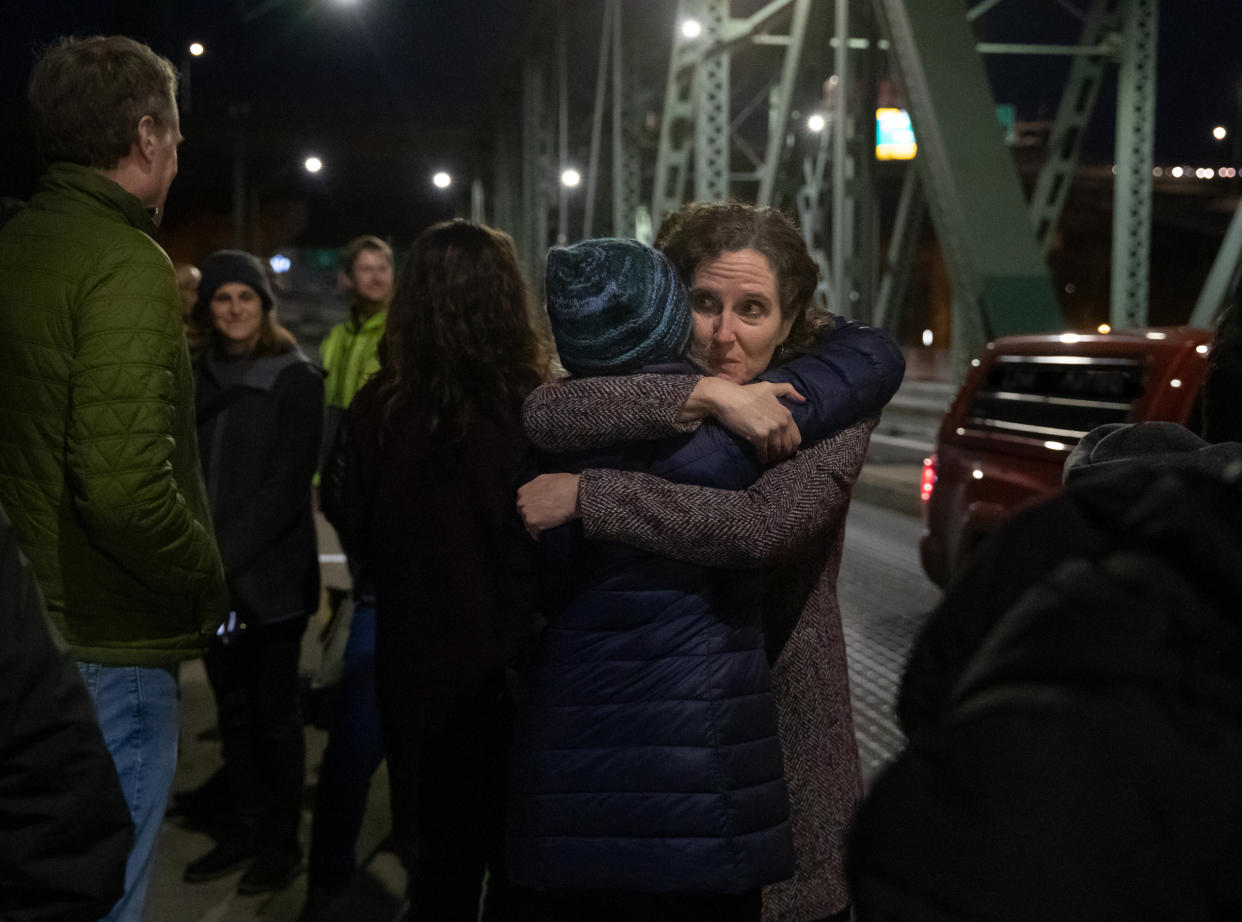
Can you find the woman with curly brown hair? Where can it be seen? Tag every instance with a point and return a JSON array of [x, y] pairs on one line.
[[436, 438]]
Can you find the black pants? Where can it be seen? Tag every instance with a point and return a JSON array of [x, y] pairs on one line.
[[255, 680], [448, 783]]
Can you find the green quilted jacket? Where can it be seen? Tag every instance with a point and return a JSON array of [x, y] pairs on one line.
[[98, 457]]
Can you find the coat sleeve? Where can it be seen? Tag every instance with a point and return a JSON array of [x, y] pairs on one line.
[[128, 373], [850, 374], [581, 413], [66, 831], [280, 498], [728, 528]]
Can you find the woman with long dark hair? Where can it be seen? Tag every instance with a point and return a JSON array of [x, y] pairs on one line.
[[436, 439]]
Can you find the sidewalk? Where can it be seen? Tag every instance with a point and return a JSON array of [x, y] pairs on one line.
[[378, 891], [380, 885]]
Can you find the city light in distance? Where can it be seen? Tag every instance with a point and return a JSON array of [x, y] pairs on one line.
[[1219, 132], [442, 180], [197, 49], [280, 263], [313, 164], [1177, 172], [928, 337], [570, 178], [691, 29], [816, 123], [1104, 328]]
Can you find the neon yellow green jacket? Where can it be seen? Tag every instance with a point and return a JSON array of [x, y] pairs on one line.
[[348, 354]]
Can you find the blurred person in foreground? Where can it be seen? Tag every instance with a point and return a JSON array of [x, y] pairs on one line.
[[1074, 704], [435, 443], [260, 411], [67, 831], [100, 467], [751, 283]]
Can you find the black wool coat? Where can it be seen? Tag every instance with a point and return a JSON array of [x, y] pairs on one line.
[[259, 443]]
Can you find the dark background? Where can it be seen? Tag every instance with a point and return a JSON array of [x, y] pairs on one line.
[[388, 91]]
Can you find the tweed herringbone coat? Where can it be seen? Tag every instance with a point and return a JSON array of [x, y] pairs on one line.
[[791, 524]]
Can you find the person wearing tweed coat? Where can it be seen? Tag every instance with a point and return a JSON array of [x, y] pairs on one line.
[[789, 524]]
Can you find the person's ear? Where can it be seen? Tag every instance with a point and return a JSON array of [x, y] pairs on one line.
[[344, 282], [147, 142]]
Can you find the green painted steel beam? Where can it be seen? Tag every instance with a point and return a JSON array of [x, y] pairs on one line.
[[1001, 283]]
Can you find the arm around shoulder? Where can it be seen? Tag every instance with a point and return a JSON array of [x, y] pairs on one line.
[[739, 528], [580, 413]]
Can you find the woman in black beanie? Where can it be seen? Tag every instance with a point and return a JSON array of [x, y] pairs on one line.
[[260, 416]]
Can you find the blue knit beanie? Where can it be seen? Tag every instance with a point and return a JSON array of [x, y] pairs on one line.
[[615, 305]]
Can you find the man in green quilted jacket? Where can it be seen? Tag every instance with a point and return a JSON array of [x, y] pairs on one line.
[[98, 460]]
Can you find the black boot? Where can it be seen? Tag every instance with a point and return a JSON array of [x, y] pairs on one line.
[[273, 869], [231, 853]]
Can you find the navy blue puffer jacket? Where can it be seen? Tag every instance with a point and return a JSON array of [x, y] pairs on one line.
[[647, 756]]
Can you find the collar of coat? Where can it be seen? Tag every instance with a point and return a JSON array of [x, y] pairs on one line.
[[91, 189], [262, 374]]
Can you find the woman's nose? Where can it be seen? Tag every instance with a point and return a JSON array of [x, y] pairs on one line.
[[725, 331]]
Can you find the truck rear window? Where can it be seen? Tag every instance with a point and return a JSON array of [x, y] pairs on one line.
[[1055, 396]]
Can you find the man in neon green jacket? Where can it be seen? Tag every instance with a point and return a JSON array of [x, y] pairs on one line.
[[99, 462], [348, 352]]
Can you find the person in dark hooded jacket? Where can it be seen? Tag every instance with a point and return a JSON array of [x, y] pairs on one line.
[[260, 417], [1074, 707]]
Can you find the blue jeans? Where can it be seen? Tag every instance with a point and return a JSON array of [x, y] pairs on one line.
[[355, 750], [137, 709]]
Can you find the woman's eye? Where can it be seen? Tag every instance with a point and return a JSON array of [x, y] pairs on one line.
[[705, 304], [753, 309]]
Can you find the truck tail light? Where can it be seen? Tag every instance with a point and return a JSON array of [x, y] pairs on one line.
[[928, 483]]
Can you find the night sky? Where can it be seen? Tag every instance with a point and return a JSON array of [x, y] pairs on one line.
[[387, 91]]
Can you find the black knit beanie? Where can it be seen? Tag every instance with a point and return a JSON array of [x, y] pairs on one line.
[[224, 266], [615, 305]]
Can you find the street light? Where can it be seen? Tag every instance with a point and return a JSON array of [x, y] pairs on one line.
[[441, 180], [570, 178], [313, 164], [197, 49], [691, 29], [816, 123], [1219, 132]]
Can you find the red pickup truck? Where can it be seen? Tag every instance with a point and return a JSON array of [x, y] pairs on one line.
[[1025, 404]]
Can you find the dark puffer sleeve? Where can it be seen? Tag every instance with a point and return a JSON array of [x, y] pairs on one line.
[[66, 831]]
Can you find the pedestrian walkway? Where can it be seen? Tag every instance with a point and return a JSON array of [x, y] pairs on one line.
[[884, 596]]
